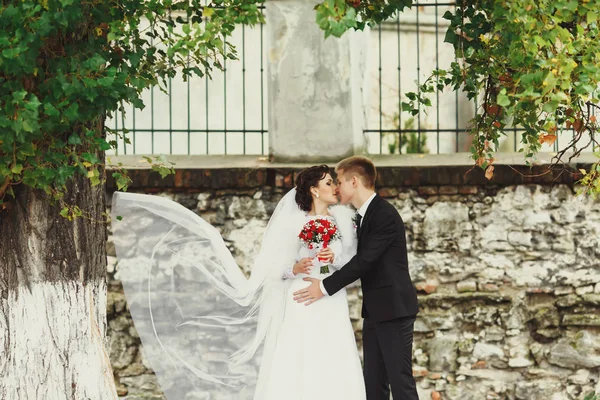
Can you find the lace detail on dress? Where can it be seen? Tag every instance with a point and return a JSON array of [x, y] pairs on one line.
[[289, 273]]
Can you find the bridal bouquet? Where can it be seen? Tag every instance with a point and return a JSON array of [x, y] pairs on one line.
[[317, 234]]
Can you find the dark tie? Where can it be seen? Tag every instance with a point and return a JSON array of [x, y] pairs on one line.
[[358, 220]]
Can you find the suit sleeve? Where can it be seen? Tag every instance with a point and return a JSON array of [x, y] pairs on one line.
[[384, 232]]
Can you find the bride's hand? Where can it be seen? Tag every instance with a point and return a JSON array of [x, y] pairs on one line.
[[326, 255], [303, 266]]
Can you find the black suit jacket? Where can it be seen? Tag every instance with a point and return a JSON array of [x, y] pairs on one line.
[[381, 263]]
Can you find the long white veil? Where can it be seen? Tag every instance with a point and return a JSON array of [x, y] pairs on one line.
[[204, 326]]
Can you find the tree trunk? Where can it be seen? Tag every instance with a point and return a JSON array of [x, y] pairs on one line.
[[53, 297]]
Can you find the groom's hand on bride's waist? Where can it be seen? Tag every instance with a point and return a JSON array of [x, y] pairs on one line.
[[309, 294]]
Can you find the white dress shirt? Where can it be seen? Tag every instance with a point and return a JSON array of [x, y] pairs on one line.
[[361, 211]]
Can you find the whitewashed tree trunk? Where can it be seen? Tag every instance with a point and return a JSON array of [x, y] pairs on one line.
[[53, 298]]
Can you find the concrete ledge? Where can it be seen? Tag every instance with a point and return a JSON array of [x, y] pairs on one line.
[[414, 170], [404, 160]]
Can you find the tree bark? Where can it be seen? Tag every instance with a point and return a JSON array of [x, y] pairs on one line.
[[53, 297]]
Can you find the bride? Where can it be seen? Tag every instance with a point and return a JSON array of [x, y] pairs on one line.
[[211, 333]]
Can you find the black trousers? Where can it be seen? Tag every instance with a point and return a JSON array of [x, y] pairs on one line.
[[387, 350]]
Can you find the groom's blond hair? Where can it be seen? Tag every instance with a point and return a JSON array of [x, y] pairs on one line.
[[361, 167]]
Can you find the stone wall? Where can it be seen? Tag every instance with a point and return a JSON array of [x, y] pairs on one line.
[[507, 271]]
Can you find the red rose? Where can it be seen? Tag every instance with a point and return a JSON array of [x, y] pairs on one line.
[[331, 232], [309, 235], [321, 229], [326, 238]]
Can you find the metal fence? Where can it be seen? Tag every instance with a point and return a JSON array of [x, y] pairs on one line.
[[226, 114], [404, 52]]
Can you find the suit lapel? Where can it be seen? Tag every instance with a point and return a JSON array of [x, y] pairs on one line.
[[366, 219]]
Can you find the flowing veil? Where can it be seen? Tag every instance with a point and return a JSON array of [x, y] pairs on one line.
[[204, 326]]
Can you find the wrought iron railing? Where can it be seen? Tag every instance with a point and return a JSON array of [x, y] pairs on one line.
[[224, 114], [228, 113], [404, 52]]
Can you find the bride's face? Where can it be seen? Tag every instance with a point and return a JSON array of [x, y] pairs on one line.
[[327, 190]]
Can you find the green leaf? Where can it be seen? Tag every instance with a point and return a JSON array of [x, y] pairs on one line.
[[74, 139], [138, 103], [451, 37], [592, 17], [50, 110], [17, 168], [540, 41], [448, 15], [11, 53], [122, 182], [208, 12], [550, 107], [27, 127], [407, 106], [72, 112], [502, 99], [64, 212], [19, 95]]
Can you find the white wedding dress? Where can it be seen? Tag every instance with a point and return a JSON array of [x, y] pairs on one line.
[[316, 356], [209, 331]]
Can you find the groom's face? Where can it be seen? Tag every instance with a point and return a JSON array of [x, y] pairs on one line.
[[345, 188]]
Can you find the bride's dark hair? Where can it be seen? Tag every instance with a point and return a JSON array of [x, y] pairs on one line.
[[306, 179]]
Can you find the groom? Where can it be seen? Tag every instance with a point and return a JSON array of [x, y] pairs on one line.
[[389, 299]]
